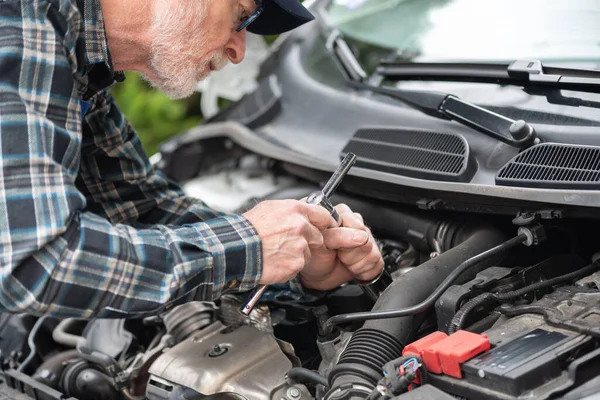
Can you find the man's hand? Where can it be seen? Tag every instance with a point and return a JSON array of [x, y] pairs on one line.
[[290, 231], [296, 239], [348, 252]]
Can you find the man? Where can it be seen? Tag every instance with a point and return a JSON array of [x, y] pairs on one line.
[[87, 228]]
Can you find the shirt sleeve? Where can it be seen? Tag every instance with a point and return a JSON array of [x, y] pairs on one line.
[[117, 179], [58, 257]]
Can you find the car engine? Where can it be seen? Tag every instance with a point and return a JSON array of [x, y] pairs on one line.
[[481, 305]]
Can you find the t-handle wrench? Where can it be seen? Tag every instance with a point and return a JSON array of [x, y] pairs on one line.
[[320, 197]]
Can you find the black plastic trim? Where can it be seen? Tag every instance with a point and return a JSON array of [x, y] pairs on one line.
[[553, 166], [415, 153]]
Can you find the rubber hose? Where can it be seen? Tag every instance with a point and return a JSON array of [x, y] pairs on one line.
[[31, 343], [439, 291], [416, 285], [299, 374], [94, 385], [50, 371], [468, 240], [85, 382], [61, 336]]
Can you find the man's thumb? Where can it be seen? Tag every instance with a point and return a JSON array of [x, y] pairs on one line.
[[319, 216]]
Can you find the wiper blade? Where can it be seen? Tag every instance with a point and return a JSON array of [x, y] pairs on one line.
[[347, 62], [443, 105], [526, 73]]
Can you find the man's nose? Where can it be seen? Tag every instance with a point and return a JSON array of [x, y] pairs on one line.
[[236, 47]]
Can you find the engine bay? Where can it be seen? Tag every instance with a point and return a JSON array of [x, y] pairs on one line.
[[481, 306]]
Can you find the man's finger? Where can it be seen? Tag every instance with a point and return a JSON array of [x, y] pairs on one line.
[[345, 238], [352, 256], [366, 269], [359, 217], [350, 220], [343, 209], [317, 215], [313, 236]]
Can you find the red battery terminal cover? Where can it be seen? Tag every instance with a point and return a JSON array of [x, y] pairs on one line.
[[444, 354]]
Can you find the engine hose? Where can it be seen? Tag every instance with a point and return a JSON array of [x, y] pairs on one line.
[[299, 374], [61, 336], [489, 299], [85, 381], [31, 343], [50, 371], [380, 341], [437, 293]]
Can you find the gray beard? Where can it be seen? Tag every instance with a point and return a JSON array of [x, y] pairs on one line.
[[175, 74]]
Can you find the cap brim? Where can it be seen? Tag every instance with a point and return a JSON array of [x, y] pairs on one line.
[[280, 16]]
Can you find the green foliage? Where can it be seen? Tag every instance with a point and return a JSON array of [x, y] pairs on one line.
[[154, 116]]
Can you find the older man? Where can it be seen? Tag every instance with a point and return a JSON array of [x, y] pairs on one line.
[[87, 228]]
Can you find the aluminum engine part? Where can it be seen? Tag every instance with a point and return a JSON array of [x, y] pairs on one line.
[[331, 350], [188, 318], [229, 313], [221, 359], [330, 353]]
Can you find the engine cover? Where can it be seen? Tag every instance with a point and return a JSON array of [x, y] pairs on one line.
[[222, 359]]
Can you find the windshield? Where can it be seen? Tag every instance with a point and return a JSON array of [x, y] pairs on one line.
[[475, 30]]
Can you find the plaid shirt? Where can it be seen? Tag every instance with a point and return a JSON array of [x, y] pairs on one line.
[[87, 227]]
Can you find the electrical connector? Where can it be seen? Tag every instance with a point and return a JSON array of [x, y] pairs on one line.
[[535, 233]]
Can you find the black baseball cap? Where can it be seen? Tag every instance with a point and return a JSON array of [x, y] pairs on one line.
[[280, 16]]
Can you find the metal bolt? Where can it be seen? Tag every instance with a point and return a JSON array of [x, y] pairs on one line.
[[217, 350], [294, 393]]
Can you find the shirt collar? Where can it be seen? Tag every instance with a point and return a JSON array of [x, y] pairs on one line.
[[96, 45]]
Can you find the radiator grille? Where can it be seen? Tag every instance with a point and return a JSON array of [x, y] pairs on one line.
[[419, 154], [555, 166]]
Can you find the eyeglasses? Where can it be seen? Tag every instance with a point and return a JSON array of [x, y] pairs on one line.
[[252, 17]]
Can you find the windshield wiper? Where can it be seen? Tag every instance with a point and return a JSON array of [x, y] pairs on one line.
[[519, 133], [345, 59], [441, 105], [526, 73]]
